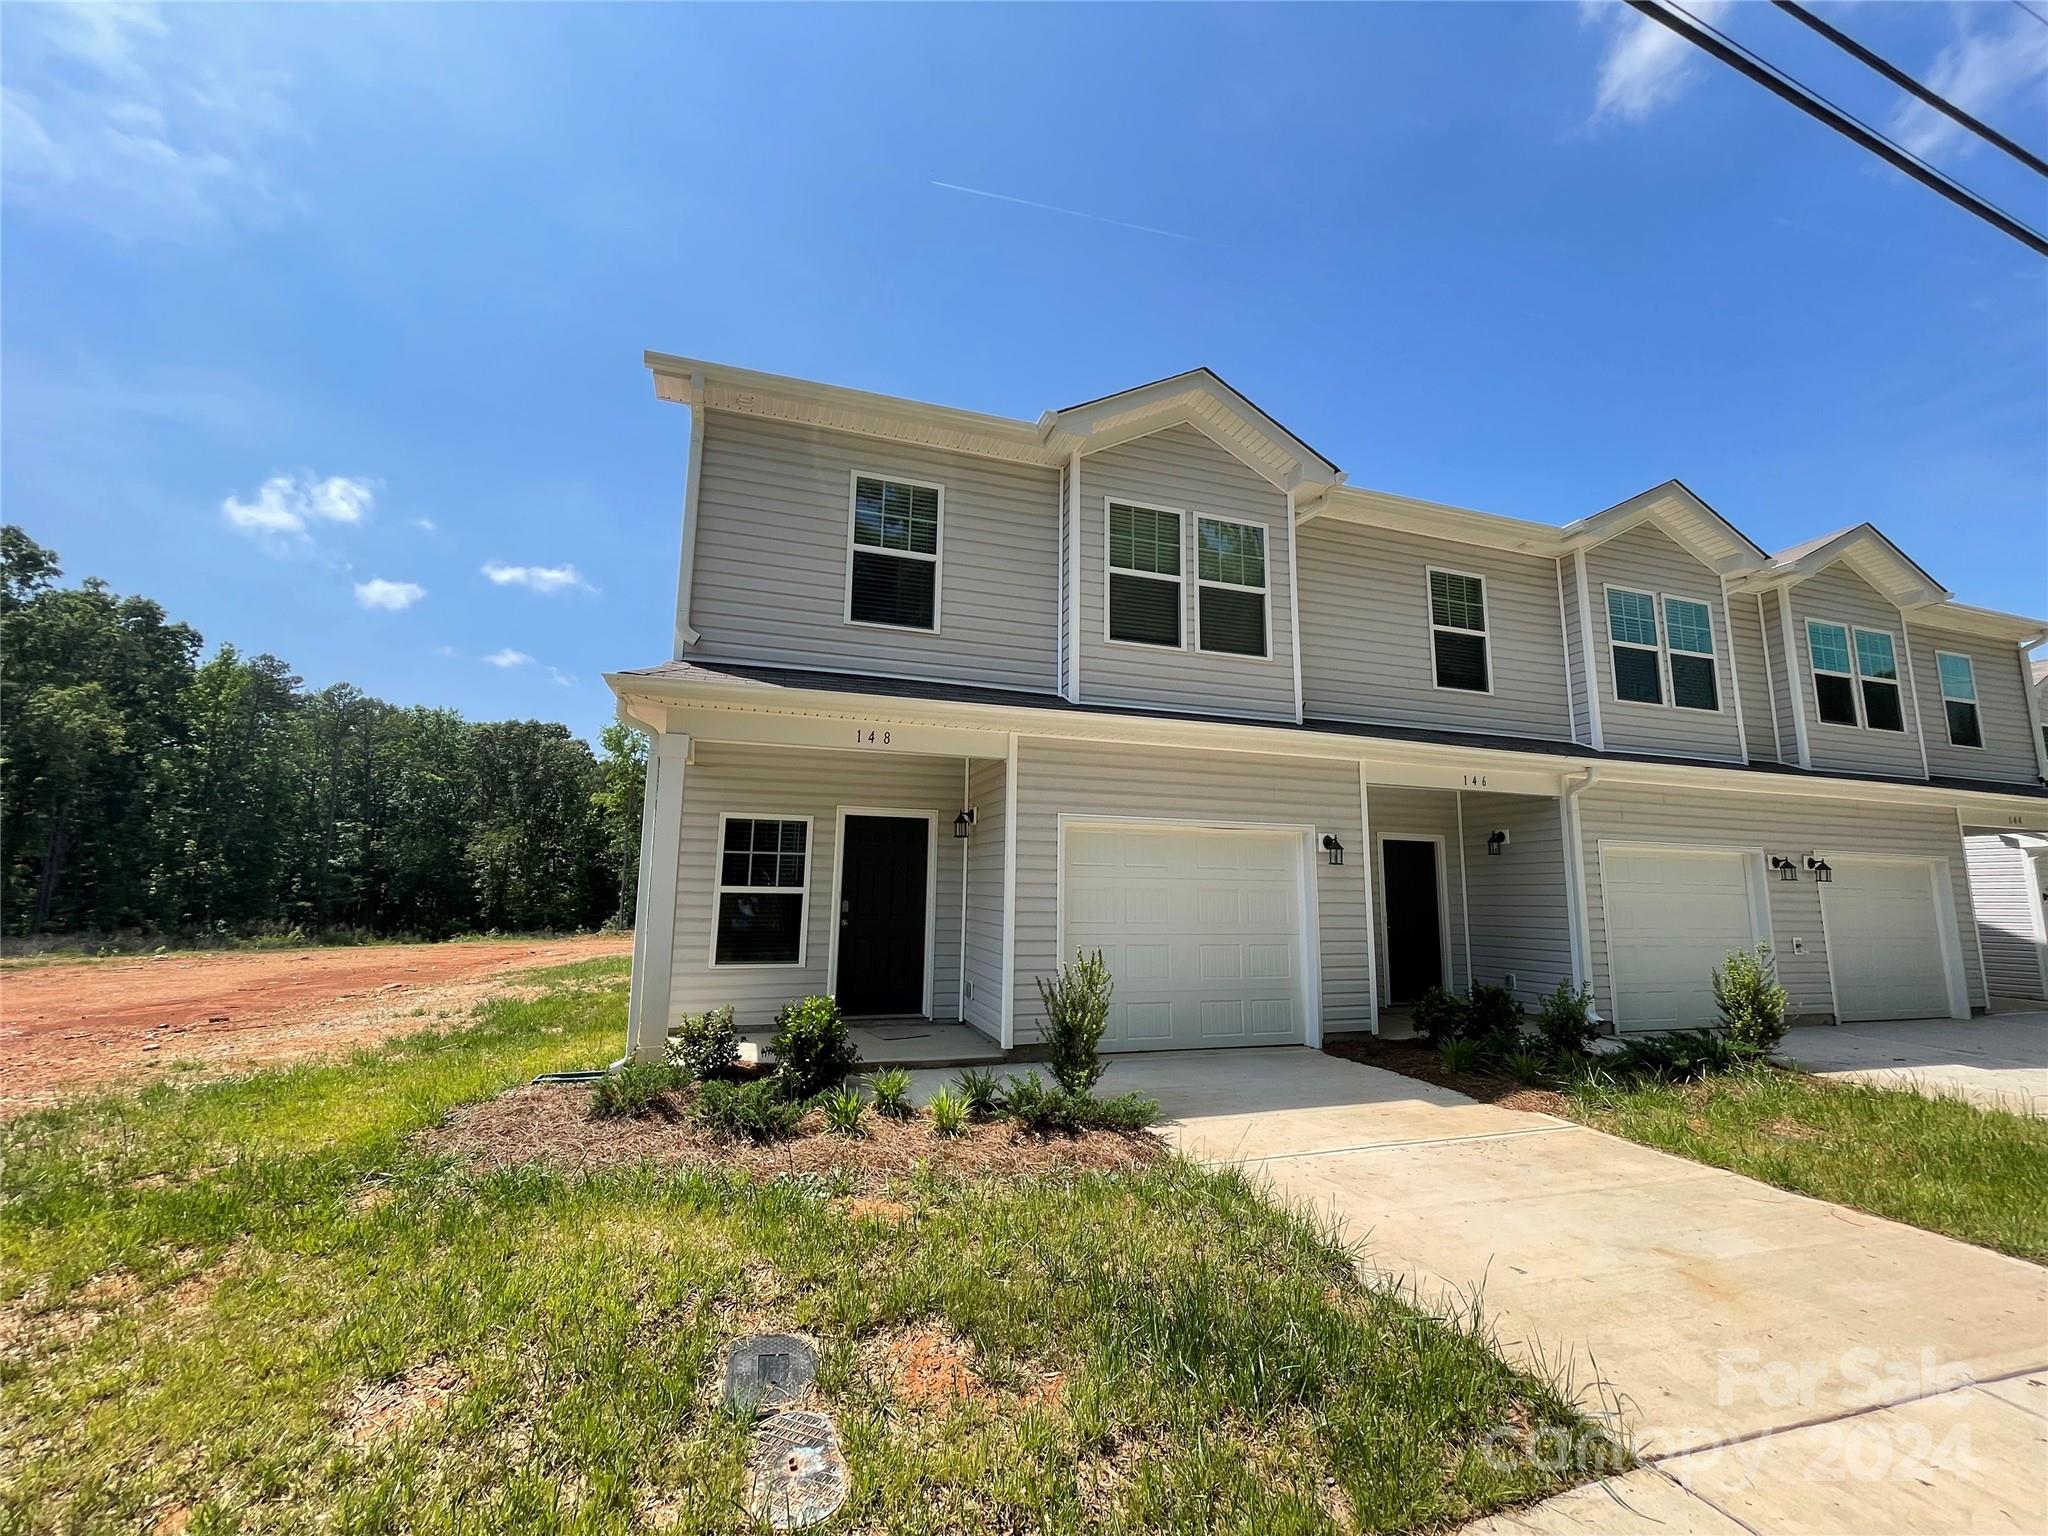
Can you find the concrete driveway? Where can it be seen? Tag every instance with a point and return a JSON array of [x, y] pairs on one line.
[[2000, 1062], [1784, 1365]]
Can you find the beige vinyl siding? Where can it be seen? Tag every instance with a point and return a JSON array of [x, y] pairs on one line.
[[1366, 652], [1759, 711], [1099, 779], [1575, 664], [1520, 926], [770, 582], [789, 782], [1182, 469], [1784, 698], [2008, 751], [1398, 812], [1772, 824], [1839, 596], [2008, 900], [1647, 559], [984, 1004]]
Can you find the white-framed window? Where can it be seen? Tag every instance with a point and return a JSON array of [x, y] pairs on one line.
[[1635, 646], [894, 534], [1145, 576], [1231, 612], [1834, 673], [1959, 698], [761, 901], [1461, 650], [1689, 633], [1877, 678]]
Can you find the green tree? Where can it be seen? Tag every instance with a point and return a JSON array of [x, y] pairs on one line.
[[622, 791]]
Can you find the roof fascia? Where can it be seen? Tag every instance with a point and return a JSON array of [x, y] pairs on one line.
[[1673, 508], [1084, 422]]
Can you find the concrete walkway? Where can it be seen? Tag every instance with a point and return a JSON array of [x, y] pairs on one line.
[[1784, 1365], [2000, 1062]]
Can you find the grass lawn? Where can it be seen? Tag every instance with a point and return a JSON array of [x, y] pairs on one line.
[[257, 1305], [1942, 1164]]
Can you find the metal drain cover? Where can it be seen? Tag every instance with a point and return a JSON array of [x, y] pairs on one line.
[[796, 1473], [768, 1370]]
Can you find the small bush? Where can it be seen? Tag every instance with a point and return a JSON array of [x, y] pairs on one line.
[[813, 1051], [1037, 1108], [1127, 1112], [892, 1093], [746, 1111], [1680, 1057], [1752, 1003], [843, 1108], [980, 1091], [1564, 1019], [949, 1114], [1461, 1055], [633, 1089], [1494, 1013], [1076, 1013], [1527, 1067], [1441, 1016], [706, 1045]]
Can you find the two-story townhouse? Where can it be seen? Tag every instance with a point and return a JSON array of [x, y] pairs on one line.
[[955, 695]]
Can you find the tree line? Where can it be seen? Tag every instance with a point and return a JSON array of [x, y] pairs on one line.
[[142, 787]]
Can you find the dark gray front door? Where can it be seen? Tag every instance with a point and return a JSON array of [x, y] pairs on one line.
[[882, 915], [1415, 950]]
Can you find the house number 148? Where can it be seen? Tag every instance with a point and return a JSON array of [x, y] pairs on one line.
[[867, 738]]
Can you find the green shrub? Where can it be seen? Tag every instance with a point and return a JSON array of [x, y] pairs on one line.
[[1461, 1055], [746, 1111], [980, 1091], [1441, 1016], [706, 1045], [892, 1093], [949, 1114], [634, 1089], [1493, 1013], [1527, 1067], [1565, 1019], [1035, 1107], [1752, 1003], [843, 1108], [1682, 1056], [812, 1049], [1076, 1012], [1126, 1112]]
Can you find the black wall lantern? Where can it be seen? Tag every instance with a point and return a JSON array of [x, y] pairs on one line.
[[1787, 870], [963, 824], [1821, 873], [1333, 848], [1497, 842]]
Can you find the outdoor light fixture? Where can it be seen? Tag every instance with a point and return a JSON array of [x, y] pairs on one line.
[[963, 824], [1786, 869], [1497, 842], [1333, 848], [1821, 873]]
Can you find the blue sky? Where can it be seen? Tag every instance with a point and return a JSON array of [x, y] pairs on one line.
[[323, 325]]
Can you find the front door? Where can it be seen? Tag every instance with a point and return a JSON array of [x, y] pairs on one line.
[[882, 915], [1415, 946]]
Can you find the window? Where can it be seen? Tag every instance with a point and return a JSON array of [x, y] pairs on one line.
[[1230, 587], [1457, 621], [1632, 637], [1689, 627], [892, 568], [762, 887], [1144, 575], [1834, 681], [1878, 670], [1959, 698]]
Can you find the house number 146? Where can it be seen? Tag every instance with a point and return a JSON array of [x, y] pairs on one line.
[[868, 738]]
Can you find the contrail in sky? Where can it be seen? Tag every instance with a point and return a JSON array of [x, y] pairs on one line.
[[1072, 213]]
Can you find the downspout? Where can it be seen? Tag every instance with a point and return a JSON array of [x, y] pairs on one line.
[[1575, 892], [686, 569]]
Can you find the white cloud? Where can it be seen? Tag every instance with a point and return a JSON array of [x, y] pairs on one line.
[[1646, 66], [444, 650], [508, 658], [425, 524], [117, 118], [544, 579], [391, 596], [1981, 72], [286, 505], [561, 677]]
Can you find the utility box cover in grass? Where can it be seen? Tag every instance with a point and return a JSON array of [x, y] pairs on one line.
[[769, 1370]]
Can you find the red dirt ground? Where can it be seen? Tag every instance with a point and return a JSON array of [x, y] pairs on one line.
[[66, 1028]]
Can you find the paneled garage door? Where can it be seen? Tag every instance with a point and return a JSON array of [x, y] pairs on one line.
[[1884, 941], [1672, 917], [1201, 930]]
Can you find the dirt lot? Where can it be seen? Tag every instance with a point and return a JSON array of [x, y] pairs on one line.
[[64, 1028]]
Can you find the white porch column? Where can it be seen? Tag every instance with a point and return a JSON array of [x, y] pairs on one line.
[[654, 925]]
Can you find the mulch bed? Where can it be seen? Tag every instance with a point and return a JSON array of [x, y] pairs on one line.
[[1418, 1058], [549, 1125]]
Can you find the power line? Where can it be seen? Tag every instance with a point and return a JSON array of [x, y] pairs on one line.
[[1783, 86], [2022, 4], [1906, 82]]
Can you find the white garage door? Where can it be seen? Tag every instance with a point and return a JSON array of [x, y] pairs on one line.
[[1884, 941], [1200, 929], [1672, 917]]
